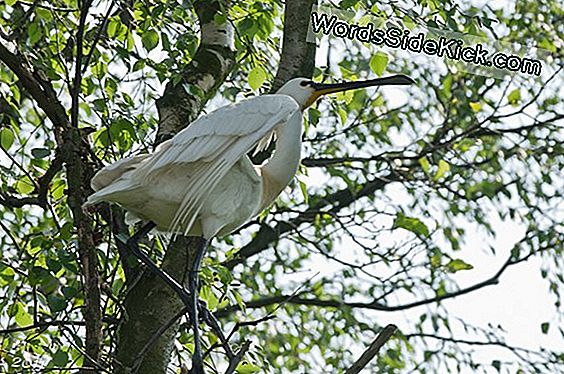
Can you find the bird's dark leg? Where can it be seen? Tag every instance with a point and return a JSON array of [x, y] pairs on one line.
[[191, 299], [133, 244], [197, 360]]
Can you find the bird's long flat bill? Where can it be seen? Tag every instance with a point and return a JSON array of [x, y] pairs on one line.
[[328, 88]]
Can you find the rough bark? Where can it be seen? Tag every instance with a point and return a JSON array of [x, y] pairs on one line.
[[151, 304], [297, 58], [298, 55], [213, 61]]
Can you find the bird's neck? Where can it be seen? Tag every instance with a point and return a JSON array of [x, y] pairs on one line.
[[278, 172]]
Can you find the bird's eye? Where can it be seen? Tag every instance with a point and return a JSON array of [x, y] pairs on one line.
[[304, 83]]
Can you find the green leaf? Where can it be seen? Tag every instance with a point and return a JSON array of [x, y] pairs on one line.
[[220, 18], [547, 44], [113, 27], [129, 41], [225, 274], [313, 115], [346, 96], [150, 39], [40, 152], [345, 4], [14, 309], [35, 32], [165, 41], [476, 107], [6, 138], [209, 297], [441, 171], [424, 162], [464, 145], [343, 116], [414, 225], [248, 27], [239, 300], [544, 327], [194, 90], [303, 188], [447, 84], [514, 97], [408, 22], [138, 65], [378, 63], [60, 358], [457, 264], [58, 189], [56, 303], [11, 2], [436, 260], [69, 292], [247, 368], [256, 78], [7, 276], [24, 185], [39, 276], [23, 318]]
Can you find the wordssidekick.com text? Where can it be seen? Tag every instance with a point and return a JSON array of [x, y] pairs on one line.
[[396, 37]]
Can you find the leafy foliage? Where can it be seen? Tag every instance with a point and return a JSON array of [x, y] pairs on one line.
[[394, 189]]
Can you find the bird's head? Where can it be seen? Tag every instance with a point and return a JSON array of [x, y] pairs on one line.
[[306, 92]]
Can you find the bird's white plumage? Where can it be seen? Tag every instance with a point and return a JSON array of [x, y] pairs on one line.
[[198, 158], [202, 183], [114, 171]]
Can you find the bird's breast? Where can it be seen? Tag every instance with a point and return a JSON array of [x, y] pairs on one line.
[[234, 200]]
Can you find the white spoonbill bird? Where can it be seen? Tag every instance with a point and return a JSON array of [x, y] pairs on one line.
[[201, 181]]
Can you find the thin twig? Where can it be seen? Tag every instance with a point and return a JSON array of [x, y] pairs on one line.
[[234, 362], [372, 350], [56, 323], [101, 29]]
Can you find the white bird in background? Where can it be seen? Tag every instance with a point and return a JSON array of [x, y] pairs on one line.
[[202, 183]]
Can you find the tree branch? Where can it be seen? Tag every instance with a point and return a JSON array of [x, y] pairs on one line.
[[297, 58], [73, 154], [234, 362], [45, 180], [46, 324], [372, 350], [40, 90], [75, 89], [17, 202], [330, 161], [375, 304], [339, 200]]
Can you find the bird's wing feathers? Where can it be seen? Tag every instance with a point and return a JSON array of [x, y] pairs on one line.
[[211, 145], [113, 172]]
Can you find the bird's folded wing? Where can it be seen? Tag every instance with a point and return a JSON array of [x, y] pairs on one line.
[[211, 145], [113, 172]]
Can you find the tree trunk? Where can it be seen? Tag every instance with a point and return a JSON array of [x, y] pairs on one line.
[[151, 304]]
